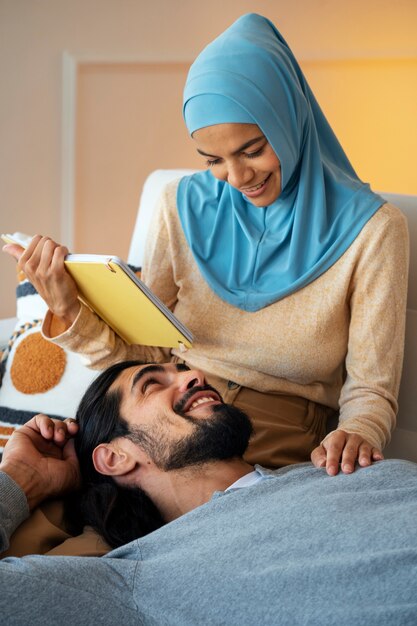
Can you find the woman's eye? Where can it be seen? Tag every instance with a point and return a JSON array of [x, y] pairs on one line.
[[211, 162], [257, 153]]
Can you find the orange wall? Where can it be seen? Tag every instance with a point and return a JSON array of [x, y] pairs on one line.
[[372, 107]]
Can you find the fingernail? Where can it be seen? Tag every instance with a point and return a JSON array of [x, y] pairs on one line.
[[347, 468]]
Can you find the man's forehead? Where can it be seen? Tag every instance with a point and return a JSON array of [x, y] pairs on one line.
[[129, 377]]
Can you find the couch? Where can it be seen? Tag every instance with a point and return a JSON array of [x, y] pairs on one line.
[[404, 440]]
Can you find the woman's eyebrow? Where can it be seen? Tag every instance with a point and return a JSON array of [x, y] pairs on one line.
[[246, 145]]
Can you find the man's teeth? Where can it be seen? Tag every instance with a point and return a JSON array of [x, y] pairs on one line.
[[200, 401]]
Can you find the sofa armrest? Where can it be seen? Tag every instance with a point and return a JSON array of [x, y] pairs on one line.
[[151, 192]]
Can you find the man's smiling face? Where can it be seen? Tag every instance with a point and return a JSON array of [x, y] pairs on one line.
[[177, 418]]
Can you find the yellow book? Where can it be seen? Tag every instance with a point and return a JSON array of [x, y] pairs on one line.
[[112, 290]]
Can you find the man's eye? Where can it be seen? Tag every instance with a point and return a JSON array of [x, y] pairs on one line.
[[148, 382]]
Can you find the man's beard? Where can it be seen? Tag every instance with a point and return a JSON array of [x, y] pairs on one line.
[[223, 435]]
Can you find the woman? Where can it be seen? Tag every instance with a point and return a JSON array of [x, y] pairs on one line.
[[290, 272]]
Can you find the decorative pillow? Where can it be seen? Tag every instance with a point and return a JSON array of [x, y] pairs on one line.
[[36, 375]]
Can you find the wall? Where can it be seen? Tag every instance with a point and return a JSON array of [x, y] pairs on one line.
[[34, 35], [117, 147]]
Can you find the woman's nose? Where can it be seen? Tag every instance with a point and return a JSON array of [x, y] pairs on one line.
[[239, 175]]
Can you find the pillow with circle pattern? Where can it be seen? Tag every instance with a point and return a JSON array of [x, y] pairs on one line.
[[36, 375]]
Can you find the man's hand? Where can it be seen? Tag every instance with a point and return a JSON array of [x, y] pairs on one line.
[[43, 264], [41, 459], [345, 449]]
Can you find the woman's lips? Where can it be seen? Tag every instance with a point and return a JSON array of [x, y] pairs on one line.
[[256, 190]]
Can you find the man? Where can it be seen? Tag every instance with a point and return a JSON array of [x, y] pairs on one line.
[[236, 545]]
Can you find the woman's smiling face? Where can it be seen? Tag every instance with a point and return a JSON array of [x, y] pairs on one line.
[[241, 155]]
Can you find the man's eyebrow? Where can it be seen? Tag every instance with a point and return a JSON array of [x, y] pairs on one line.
[[146, 370], [182, 367], [246, 145]]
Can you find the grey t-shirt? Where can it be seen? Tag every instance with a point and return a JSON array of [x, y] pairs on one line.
[[299, 547]]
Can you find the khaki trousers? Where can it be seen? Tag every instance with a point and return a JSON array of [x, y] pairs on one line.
[[45, 532]]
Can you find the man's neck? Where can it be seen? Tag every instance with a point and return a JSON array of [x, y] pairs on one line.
[[179, 491]]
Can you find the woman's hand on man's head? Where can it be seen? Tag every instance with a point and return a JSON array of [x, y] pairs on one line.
[[342, 450]]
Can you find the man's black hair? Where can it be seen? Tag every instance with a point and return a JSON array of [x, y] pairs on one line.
[[118, 514]]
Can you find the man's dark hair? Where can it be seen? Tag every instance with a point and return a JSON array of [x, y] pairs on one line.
[[118, 514]]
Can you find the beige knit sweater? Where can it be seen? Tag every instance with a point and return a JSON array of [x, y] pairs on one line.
[[338, 341]]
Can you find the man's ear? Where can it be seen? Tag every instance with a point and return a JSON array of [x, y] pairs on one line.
[[111, 459]]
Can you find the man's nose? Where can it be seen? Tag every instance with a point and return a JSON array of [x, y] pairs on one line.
[[191, 378]]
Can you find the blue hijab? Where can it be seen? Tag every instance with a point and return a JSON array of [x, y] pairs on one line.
[[252, 256]]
